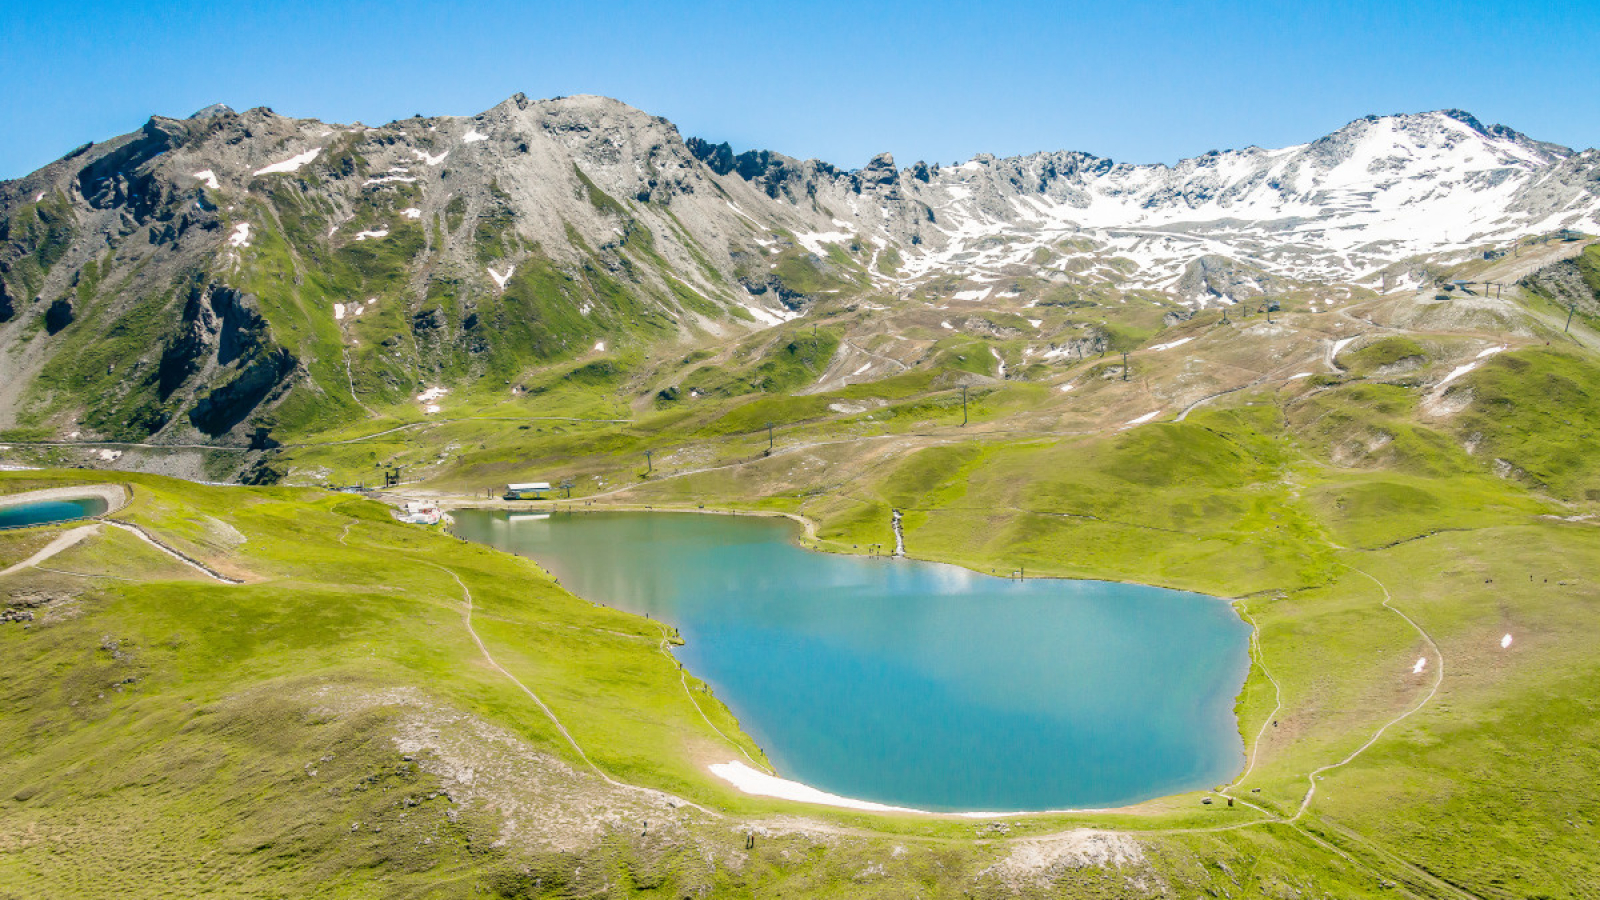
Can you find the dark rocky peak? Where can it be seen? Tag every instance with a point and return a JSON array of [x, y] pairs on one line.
[[880, 171], [123, 175], [717, 157]]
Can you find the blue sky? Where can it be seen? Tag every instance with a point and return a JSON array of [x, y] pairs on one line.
[[1135, 81]]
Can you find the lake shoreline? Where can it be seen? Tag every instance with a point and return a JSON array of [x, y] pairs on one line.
[[760, 784]]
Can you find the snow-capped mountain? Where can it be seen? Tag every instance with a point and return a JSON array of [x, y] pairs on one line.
[[215, 277], [1379, 190]]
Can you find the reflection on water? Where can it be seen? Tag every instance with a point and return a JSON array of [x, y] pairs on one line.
[[914, 683]]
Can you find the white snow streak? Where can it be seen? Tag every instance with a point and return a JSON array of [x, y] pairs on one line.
[[207, 176], [760, 784], [500, 280], [292, 164], [472, 137], [1177, 343]]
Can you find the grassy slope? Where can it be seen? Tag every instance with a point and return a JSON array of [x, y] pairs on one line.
[[1275, 499]]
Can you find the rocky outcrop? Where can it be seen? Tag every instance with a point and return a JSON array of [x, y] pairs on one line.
[[260, 378], [1212, 280], [8, 303], [59, 315], [225, 353], [1570, 282]]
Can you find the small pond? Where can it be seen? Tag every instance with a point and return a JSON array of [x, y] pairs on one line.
[[46, 512]]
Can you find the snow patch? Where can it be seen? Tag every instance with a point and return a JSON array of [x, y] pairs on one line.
[[500, 280], [240, 236], [380, 233], [1067, 387], [292, 164], [430, 160], [208, 177], [1458, 371], [1036, 322], [600, 346], [973, 296], [1170, 344], [427, 398], [1505, 642], [760, 784], [388, 178], [1299, 375], [411, 212], [814, 240], [472, 137], [1144, 418], [338, 312], [1420, 665], [947, 325]]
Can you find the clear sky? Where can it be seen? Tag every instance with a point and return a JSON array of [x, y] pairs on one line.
[[1135, 81]]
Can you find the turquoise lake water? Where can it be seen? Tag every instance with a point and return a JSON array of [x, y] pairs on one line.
[[918, 684], [47, 511]]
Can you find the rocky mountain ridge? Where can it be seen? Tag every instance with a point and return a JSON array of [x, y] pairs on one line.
[[229, 276]]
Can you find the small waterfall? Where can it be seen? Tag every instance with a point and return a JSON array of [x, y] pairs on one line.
[[899, 535]]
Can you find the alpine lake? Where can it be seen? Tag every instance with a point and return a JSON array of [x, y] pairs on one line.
[[912, 683]]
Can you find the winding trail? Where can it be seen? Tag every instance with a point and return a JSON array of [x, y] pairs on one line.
[[63, 541], [1257, 651], [683, 677], [1438, 678], [466, 619]]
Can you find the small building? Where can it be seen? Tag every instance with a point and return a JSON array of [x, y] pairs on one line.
[[531, 490], [420, 512]]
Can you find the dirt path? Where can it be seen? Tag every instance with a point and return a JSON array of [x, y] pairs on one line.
[[683, 677], [62, 542], [1261, 660], [1438, 678]]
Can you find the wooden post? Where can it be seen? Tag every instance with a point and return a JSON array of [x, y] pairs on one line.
[[770, 439], [963, 406], [1124, 365], [1572, 308], [649, 464]]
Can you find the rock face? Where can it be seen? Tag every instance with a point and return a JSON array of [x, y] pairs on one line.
[[242, 271], [1570, 282], [1215, 280], [58, 316]]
